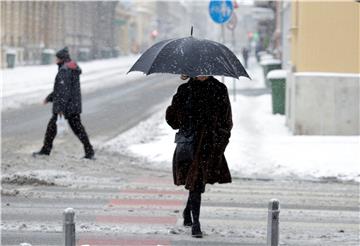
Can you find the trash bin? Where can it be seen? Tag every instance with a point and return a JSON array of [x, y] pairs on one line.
[[115, 52], [277, 80], [269, 65], [84, 54], [10, 58], [106, 53], [47, 56]]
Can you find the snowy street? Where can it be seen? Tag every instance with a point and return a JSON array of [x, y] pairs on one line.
[[264, 96], [126, 196]]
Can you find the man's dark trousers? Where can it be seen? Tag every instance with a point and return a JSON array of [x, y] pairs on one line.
[[76, 126]]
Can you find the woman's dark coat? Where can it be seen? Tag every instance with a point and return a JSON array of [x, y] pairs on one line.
[[212, 121], [66, 96]]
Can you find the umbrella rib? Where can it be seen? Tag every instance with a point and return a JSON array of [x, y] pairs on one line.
[[232, 68], [156, 56], [228, 61]]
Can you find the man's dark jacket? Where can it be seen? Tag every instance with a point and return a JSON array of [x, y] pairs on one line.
[[66, 96]]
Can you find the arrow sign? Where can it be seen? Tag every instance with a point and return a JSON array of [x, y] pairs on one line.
[[220, 10]]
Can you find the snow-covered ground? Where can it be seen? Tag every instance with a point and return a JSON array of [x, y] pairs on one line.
[[261, 146], [28, 84]]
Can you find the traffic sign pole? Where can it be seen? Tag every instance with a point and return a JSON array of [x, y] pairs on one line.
[[233, 45], [220, 12], [222, 41]]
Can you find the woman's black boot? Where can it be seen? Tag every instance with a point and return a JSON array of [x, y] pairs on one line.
[[187, 213], [195, 200], [196, 231], [187, 218]]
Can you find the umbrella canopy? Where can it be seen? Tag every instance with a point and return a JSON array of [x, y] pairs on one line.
[[190, 56]]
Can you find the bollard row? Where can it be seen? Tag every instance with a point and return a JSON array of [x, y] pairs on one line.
[[272, 229]]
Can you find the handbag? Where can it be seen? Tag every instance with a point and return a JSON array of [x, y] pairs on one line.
[[185, 137], [184, 151]]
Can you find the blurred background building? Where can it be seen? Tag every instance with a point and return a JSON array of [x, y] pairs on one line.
[[31, 31]]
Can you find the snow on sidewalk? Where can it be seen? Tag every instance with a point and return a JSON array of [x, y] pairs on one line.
[[261, 146], [31, 84]]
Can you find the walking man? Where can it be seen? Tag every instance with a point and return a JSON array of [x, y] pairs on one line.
[[66, 99]]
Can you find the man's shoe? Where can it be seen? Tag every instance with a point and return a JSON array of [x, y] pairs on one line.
[[40, 153], [90, 156], [196, 231], [187, 218], [89, 152]]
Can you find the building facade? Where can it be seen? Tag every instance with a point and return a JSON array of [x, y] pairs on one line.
[[324, 70], [30, 28]]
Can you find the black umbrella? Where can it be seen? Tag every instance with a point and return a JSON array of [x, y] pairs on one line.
[[190, 56]]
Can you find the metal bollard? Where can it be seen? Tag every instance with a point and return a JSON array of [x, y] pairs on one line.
[[273, 223], [69, 227]]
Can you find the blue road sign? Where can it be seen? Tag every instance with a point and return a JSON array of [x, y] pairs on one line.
[[220, 10]]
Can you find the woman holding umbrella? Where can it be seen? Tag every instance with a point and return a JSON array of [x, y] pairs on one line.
[[201, 111]]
